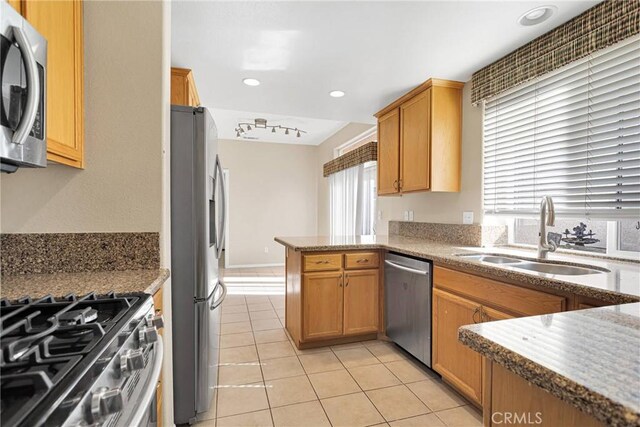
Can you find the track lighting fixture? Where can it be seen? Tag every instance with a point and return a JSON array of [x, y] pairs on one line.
[[262, 124]]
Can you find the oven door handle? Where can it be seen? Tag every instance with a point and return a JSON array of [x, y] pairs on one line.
[[150, 391], [33, 87]]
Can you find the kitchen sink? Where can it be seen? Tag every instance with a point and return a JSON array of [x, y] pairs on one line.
[[547, 267], [493, 259]]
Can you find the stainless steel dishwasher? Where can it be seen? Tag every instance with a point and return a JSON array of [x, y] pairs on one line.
[[407, 287]]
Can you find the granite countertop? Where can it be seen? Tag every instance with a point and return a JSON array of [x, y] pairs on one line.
[[621, 285], [101, 282], [588, 358]]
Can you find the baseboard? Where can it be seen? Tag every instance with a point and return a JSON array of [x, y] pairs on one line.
[[255, 265]]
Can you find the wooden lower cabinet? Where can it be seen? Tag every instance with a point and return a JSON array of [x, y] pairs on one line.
[[514, 401], [330, 301], [361, 310], [322, 298], [457, 363], [461, 299], [158, 306]]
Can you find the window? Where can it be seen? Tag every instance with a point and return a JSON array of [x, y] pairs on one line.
[[352, 194], [573, 134]]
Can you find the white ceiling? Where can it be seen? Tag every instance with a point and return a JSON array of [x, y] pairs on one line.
[[374, 51], [317, 130]]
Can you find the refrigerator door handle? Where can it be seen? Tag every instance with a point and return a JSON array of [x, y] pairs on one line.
[[223, 213], [216, 303]]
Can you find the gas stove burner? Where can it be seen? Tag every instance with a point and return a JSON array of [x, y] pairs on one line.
[[78, 317], [52, 351]]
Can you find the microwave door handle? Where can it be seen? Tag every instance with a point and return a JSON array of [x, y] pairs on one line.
[[223, 209], [33, 87]]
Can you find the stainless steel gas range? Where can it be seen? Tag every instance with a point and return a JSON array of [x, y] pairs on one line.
[[79, 361]]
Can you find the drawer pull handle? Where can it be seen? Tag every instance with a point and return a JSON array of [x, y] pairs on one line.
[[362, 260], [322, 262]]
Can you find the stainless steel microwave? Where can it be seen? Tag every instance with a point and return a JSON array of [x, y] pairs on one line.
[[23, 74]]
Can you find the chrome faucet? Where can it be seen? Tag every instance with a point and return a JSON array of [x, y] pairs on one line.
[[546, 218]]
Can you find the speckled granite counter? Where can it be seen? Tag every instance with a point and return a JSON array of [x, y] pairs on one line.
[[621, 285], [100, 282], [588, 358]]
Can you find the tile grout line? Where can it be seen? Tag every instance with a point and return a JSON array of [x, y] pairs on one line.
[[365, 393]]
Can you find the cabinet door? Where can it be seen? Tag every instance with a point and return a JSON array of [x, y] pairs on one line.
[[60, 22], [389, 153], [322, 305], [415, 139], [361, 309], [456, 362]]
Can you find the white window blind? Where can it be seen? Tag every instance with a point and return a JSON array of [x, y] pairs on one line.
[[573, 134]]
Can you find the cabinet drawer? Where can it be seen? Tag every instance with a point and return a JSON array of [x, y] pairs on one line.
[[360, 260], [322, 262], [501, 295]]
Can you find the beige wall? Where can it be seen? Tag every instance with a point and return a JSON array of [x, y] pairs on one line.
[[446, 207], [325, 153], [272, 192], [121, 187]]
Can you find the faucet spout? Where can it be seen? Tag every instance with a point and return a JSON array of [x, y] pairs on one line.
[[547, 218]]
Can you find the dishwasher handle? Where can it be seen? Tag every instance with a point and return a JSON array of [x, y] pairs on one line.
[[409, 269]]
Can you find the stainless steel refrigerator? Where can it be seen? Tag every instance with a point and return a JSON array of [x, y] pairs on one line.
[[197, 238]]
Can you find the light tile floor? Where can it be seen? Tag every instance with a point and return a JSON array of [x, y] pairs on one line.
[[265, 381]]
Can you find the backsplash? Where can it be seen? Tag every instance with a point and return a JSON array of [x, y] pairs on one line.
[[78, 252], [457, 234]]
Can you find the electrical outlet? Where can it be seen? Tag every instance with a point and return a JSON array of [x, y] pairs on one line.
[[379, 215], [467, 217], [266, 249], [406, 215], [410, 215]]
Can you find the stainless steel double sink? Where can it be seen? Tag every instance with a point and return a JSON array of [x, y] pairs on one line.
[[548, 267]]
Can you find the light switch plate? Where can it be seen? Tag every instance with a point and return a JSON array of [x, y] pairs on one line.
[[379, 215], [410, 215], [467, 217], [406, 215]]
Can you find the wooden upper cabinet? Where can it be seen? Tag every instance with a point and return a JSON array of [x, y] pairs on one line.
[[415, 153], [60, 22], [16, 4], [361, 309], [322, 299], [389, 153], [183, 88], [422, 153]]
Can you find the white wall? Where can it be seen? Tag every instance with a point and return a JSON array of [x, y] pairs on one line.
[[121, 188], [446, 207], [272, 192], [325, 153]]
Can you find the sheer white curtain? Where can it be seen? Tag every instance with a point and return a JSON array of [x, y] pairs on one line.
[[352, 198]]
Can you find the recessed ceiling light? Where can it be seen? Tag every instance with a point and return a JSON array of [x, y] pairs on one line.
[[251, 82], [336, 93], [537, 15]]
